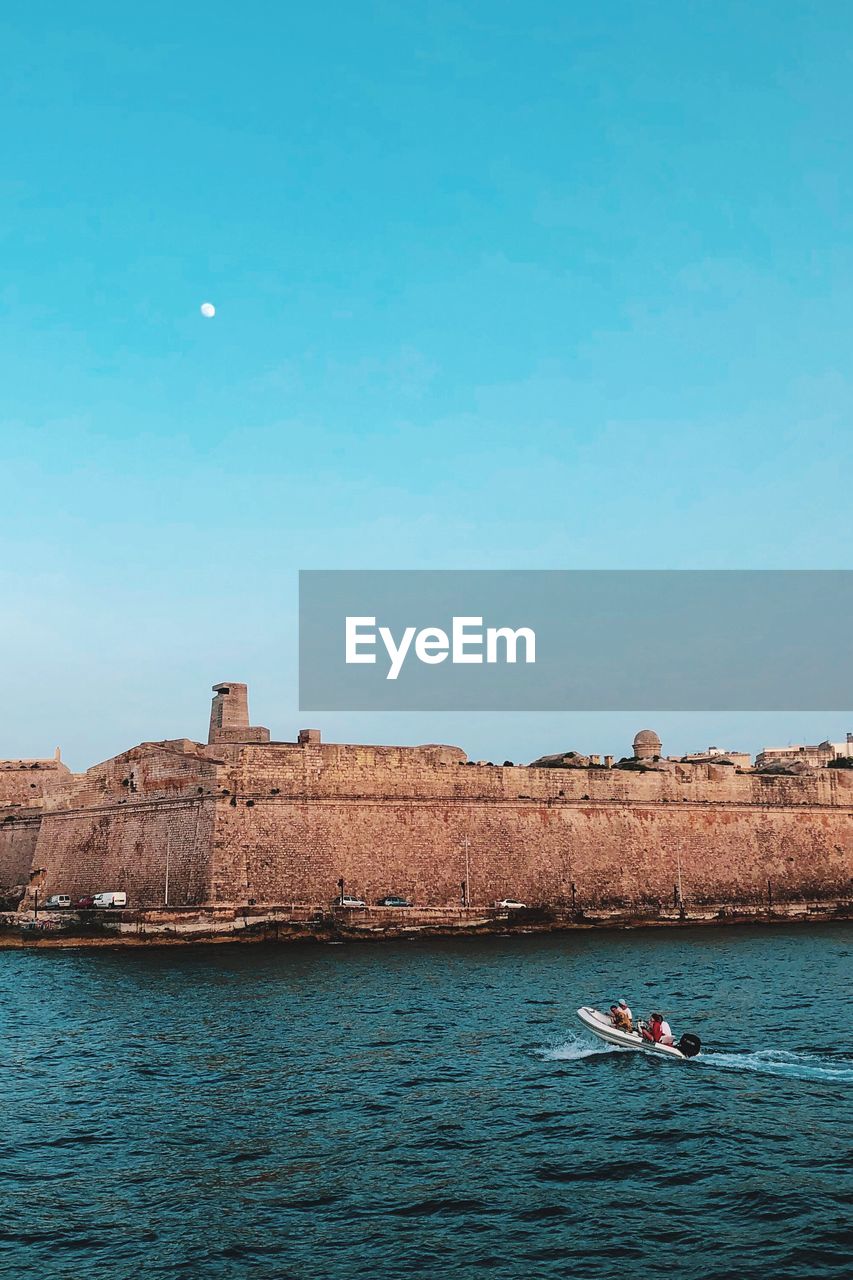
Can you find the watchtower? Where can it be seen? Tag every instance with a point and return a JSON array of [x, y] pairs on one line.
[[229, 716]]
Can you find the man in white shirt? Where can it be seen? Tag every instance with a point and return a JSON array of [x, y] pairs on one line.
[[620, 1016]]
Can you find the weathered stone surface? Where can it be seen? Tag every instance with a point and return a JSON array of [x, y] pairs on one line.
[[24, 784], [284, 822]]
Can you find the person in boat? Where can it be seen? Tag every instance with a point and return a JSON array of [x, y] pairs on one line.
[[621, 1017], [658, 1031]]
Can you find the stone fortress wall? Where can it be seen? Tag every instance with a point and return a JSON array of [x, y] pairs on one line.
[[23, 787], [242, 819]]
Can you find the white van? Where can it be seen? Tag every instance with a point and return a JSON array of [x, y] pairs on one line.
[[110, 900], [57, 902]]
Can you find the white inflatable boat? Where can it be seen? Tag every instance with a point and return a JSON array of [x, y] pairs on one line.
[[600, 1025]]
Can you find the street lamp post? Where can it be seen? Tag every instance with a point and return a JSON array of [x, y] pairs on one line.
[[168, 858], [467, 886]]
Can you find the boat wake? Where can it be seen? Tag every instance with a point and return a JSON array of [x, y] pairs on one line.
[[574, 1049], [780, 1062], [768, 1062]]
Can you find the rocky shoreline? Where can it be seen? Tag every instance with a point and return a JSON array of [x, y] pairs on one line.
[[296, 923]]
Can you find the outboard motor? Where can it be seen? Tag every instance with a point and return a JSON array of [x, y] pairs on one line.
[[689, 1045]]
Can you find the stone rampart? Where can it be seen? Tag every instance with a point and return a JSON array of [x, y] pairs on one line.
[[613, 853], [345, 771], [135, 847], [25, 782], [154, 770], [285, 821], [18, 837]]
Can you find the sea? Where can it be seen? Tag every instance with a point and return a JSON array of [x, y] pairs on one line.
[[428, 1108]]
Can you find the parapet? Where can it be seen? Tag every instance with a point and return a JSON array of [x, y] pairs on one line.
[[253, 735]]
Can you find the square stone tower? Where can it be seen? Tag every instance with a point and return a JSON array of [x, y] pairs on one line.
[[229, 716]]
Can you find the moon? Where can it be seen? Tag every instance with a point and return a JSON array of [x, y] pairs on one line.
[[208, 310]]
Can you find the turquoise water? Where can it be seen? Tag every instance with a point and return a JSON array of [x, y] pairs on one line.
[[431, 1108]]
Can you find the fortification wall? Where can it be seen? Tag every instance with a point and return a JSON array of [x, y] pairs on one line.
[[127, 847], [152, 770], [276, 849], [18, 836], [339, 770], [26, 782], [284, 822]]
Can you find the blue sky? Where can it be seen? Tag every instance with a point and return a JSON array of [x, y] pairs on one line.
[[498, 286]]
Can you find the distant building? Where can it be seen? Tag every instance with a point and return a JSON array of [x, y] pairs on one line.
[[716, 755], [818, 757]]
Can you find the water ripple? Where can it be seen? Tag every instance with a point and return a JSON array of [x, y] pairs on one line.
[[430, 1109]]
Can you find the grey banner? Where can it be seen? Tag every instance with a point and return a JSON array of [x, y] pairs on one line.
[[596, 640]]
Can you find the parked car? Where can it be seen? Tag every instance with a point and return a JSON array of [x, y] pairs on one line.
[[85, 903], [57, 902], [510, 904], [109, 900], [393, 901], [347, 901]]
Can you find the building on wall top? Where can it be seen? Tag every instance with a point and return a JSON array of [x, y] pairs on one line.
[[229, 716], [717, 755], [647, 745], [816, 756]]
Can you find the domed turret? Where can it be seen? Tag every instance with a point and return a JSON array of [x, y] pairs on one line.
[[647, 745]]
